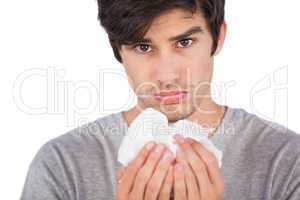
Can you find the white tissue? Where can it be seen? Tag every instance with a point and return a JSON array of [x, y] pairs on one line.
[[152, 125]]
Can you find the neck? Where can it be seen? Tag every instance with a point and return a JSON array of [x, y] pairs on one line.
[[209, 114]]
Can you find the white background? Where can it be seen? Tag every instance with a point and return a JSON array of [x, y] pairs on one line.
[[42, 39]]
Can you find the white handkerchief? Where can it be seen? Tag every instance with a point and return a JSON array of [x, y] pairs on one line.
[[152, 125]]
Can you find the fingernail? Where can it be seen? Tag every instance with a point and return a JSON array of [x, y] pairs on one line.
[[179, 150], [179, 139], [159, 148], [167, 156], [189, 140], [150, 146], [179, 167]]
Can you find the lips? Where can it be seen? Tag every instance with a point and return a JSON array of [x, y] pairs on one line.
[[169, 93], [170, 97]]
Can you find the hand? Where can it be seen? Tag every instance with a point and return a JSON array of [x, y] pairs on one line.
[[196, 172], [148, 176]]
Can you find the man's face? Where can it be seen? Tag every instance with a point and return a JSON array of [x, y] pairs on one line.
[[182, 64]]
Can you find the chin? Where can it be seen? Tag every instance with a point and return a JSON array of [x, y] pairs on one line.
[[175, 112]]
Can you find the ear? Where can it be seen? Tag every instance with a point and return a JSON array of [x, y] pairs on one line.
[[222, 36]]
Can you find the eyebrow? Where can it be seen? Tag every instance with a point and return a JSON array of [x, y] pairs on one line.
[[191, 31]]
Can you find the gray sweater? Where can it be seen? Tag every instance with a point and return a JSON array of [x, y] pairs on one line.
[[261, 160]]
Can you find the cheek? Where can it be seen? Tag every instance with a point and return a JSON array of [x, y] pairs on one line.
[[139, 73], [134, 69], [198, 68], [139, 76]]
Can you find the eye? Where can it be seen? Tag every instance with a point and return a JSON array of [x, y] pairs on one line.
[[185, 42], [142, 48]]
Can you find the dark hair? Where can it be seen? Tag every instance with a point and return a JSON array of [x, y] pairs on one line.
[[127, 21]]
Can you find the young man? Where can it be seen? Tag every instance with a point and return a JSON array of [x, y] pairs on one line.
[[168, 49]]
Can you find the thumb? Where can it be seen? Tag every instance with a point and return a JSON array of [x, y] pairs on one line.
[[120, 172]]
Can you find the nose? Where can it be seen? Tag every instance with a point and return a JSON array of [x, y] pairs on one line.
[[167, 72]]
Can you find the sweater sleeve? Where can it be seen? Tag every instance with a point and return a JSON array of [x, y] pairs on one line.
[[46, 176], [293, 188]]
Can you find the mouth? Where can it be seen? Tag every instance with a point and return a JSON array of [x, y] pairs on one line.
[[170, 97]]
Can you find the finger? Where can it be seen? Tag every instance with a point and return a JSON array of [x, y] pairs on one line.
[[127, 181], [166, 189], [145, 173], [160, 172], [197, 165], [190, 178], [179, 183], [211, 163], [120, 173]]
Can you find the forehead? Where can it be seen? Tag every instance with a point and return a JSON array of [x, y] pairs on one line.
[[174, 22]]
